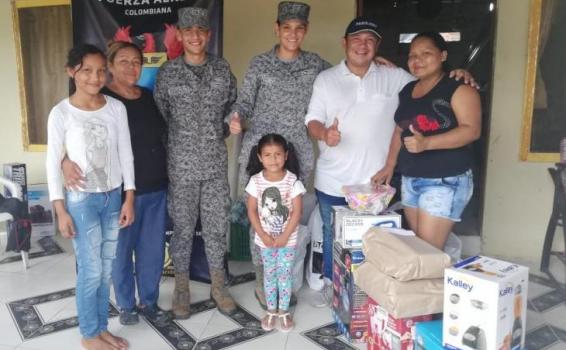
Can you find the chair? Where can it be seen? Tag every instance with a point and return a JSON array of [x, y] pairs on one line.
[[15, 192], [558, 216]]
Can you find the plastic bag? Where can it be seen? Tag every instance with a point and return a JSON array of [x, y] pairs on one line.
[[368, 198], [303, 239], [453, 247], [314, 264], [239, 213]]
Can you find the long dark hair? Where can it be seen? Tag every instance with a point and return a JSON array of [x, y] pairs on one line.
[[439, 42], [75, 58], [255, 166]]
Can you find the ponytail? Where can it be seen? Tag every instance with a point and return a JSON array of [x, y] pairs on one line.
[[254, 165], [292, 163]]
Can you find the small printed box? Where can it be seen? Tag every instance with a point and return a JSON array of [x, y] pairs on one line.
[[428, 335], [386, 332], [485, 305], [40, 211], [349, 302], [16, 172], [349, 225]]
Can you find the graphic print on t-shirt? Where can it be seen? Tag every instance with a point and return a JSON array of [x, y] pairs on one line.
[[441, 106], [96, 140], [423, 123], [273, 212]]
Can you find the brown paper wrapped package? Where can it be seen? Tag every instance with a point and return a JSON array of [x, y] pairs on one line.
[[405, 258], [401, 299]]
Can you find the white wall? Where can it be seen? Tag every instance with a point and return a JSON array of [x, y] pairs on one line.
[[11, 145], [518, 197]]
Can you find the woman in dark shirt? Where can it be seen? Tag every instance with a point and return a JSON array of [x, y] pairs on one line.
[[437, 119], [146, 236]]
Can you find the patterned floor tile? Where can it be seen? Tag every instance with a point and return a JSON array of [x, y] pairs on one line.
[[546, 318], [328, 337], [541, 338]]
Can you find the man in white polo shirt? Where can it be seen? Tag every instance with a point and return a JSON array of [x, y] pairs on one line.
[[351, 116]]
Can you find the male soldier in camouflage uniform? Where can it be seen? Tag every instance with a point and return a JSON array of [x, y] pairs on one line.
[[194, 93]]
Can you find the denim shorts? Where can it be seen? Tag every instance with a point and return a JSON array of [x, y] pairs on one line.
[[444, 197]]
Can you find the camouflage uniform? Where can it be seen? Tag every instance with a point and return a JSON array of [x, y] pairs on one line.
[[194, 107], [274, 98]]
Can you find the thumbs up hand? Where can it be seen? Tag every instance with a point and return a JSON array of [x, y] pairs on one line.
[[416, 143], [235, 124], [332, 134]]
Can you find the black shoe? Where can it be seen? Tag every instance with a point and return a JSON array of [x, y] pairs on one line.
[[154, 314], [129, 317]]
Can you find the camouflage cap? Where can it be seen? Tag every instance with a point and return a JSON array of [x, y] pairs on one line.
[[193, 16], [293, 10]]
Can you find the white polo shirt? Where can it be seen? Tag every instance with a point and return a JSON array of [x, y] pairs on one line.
[[364, 108]]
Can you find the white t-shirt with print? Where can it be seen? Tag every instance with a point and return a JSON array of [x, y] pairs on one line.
[[98, 141], [275, 203]]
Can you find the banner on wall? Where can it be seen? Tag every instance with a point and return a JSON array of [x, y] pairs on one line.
[[148, 23]]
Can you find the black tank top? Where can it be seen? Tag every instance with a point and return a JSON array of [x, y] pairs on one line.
[[430, 114]]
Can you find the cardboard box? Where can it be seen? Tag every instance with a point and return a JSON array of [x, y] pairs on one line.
[[428, 335], [16, 172], [485, 305], [401, 299], [40, 211], [349, 225], [386, 332], [349, 302]]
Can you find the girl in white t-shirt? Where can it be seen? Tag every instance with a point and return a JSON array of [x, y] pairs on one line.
[[274, 208], [91, 129]]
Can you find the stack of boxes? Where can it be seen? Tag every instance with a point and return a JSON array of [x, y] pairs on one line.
[[402, 275], [386, 294], [349, 304]]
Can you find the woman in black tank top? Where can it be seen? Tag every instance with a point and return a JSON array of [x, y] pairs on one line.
[[437, 119]]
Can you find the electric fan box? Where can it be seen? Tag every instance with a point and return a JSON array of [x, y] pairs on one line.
[[349, 225], [485, 305]]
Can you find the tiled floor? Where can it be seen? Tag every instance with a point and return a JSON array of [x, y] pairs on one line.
[[37, 311], [546, 314]]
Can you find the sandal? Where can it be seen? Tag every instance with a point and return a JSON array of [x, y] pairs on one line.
[[286, 322], [268, 321]]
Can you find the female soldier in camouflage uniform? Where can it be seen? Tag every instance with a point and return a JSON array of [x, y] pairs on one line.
[[274, 98]]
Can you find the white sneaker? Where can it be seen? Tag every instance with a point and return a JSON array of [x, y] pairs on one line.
[[324, 297]]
